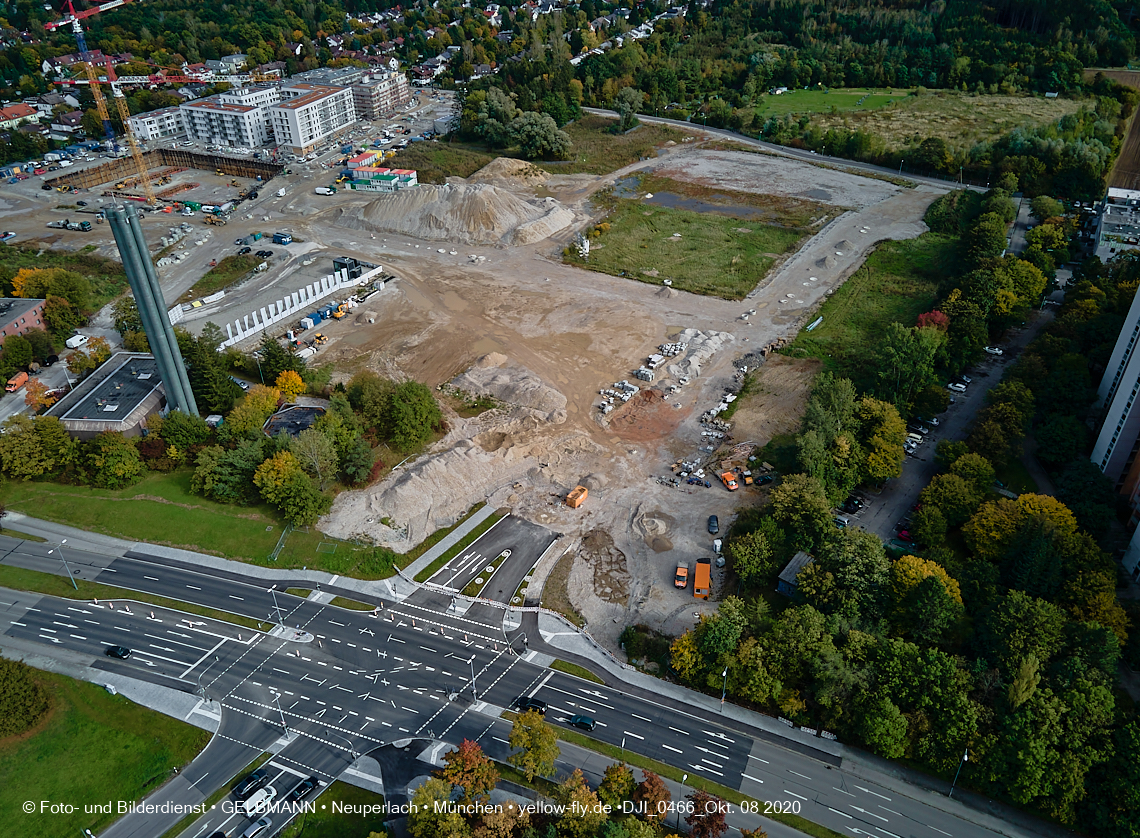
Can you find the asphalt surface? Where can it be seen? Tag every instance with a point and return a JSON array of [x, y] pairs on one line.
[[368, 680]]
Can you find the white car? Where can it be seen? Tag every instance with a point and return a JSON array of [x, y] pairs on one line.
[[259, 827], [994, 350], [955, 387], [259, 801]]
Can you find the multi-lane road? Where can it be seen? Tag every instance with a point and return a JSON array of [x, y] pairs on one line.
[[328, 684]]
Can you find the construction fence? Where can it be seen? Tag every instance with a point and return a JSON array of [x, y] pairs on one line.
[[115, 171]]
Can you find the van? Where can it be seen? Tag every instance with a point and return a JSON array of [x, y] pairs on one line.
[[260, 801], [76, 341], [915, 438], [702, 579], [841, 521]]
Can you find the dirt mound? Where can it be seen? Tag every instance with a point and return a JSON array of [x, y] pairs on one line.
[[667, 293], [493, 375], [475, 213], [507, 168], [647, 417], [827, 261]]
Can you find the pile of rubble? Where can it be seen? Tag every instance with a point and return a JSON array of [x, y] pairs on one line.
[[622, 391]]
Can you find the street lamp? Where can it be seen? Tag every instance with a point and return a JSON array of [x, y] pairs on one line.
[[965, 759], [351, 748], [900, 167], [276, 607], [202, 689], [474, 696], [681, 797], [277, 701], [724, 689], [62, 559]]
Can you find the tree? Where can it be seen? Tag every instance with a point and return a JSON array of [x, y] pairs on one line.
[[882, 433], [249, 415], [538, 136], [1112, 808], [629, 100], [685, 657], [752, 557], [909, 571], [356, 462], [275, 359], [652, 797], [24, 701], [906, 361], [584, 814], [283, 483], [430, 814], [953, 496], [801, 507], [125, 315], [617, 785], [468, 768], [536, 745], [881, 726], [316, 453], [1025, 681], [290, 385], [505, 821], [1020, 626], [112, 461], [211, 336], [184, 431], [928, 610], [41, 342], [17, 352], [496, 113], [1044, 207], [411, 415], [36, 395], [987, 237], [1091, 597], [707, 818], [22, 454], [1060, 439], [226, 475]]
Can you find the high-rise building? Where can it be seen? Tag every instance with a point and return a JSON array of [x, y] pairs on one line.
[[309, 114], [380, 93], [143, 279], [234, 118]]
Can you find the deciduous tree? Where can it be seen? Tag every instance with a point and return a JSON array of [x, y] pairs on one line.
[[289, 384], [617, 785], [652, 797], [534, 744], [468, 768], [112, 461], [707, 818]]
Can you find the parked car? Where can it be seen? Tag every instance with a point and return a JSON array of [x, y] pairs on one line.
[[302, 790], [80, 203], [243, 384], [956, 387], [994, 350], [714, 525], [264, 254], [963, 379], [904, 535]]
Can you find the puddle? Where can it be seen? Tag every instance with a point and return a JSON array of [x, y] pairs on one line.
[[416, 298], [454, 302], [672, 201], [627, 187], [485, 346]]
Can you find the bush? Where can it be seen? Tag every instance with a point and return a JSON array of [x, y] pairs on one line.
[[23, 702]]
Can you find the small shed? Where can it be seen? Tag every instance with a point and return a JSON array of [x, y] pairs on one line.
[[787, 580], [577, 497]]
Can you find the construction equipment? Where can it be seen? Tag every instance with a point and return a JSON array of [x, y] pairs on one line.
[[215, 220], [577, 497]]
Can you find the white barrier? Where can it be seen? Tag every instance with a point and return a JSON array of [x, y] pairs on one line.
[[297, 304]]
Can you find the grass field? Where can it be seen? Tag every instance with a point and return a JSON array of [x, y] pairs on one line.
[[959, 118], [822, 101], [93, 747], [107, 277], [714, 255], [325, 823], [596, 151], [898, 282], [578, 671], [227, 272], [435, 162]]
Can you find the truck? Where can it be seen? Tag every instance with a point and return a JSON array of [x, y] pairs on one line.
[[325, 190], [681, 578], [215, 220], [58, 225], [702, 578], [282, 238], [16, 382], [729, 481], [76, 341]]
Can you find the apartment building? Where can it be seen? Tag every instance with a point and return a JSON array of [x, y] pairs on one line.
[[379, 94], [236, 118], [158, 125], [308, 114]]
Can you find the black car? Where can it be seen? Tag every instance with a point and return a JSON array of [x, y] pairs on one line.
[[265, 254], [525, 703], [582, 722], [302, 790], [714, 525], [80, 203], [251, 783], [120, 652], [244, 251]]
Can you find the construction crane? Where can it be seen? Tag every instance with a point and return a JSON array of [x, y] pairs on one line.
[[73, 17]]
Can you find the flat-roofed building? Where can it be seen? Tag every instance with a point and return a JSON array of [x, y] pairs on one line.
[[19, 315], [118, 396], [309, 114], [234, 118], [379, 94], [158, 125]]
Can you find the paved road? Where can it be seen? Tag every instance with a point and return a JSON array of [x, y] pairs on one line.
[[371, 679], [526, 541]]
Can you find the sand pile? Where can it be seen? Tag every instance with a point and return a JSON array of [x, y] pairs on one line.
[[827, 261], [702, 346], [507, 168], [495, 376], [463, 213]]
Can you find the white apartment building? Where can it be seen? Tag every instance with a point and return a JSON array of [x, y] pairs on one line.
[[158, 125], [309, 114], [379, 94], [237, 118]]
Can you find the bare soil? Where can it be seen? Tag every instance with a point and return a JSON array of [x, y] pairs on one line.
[[777, 400]]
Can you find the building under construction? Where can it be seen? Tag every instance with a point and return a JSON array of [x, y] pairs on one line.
[[122, 169]]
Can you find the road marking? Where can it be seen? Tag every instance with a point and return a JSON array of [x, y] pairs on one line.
[[936, 829], [410, 710], [641, 717], [25, 625], [871, 814], [78, 636], [542, 684], [753, 779], [191, 667], [793, 794], [193, 588], [634, 735], [678, 730], [842, 791], [238, 598], [836, 811], [426, 649], [153, 579], [881, 797], [335, 623], [758, 759], [892, 811], [713, 764], [718, 736], [798, 774], [671, 748], [706, 769]]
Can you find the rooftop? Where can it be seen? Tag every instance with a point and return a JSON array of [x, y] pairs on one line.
[[292, 419], [129, 379], [14, 309], [211, 104]]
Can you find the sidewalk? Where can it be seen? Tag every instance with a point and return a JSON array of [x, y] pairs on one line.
[[447, 542]]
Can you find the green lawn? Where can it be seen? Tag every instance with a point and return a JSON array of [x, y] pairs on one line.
[[576, 670], [227, 272], [435, 162], [714, 255], [898, 282], [94, 747], [822, 101], [324, 823]]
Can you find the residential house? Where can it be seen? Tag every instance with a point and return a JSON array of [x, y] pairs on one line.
[[14, 115]]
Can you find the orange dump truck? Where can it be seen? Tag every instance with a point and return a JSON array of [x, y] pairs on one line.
[[702, 577], [729, 481], [577, 497]]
